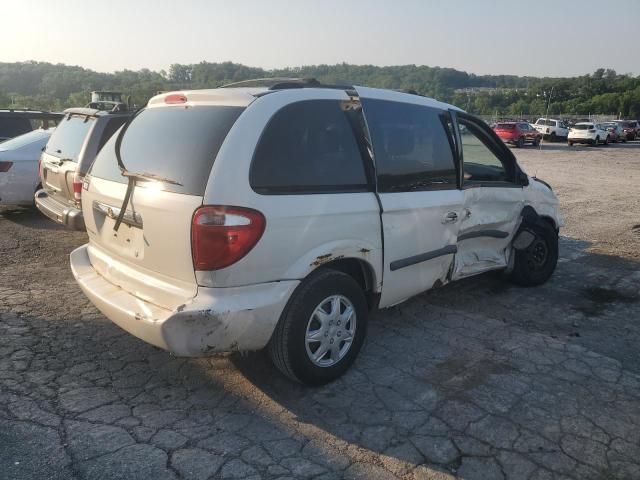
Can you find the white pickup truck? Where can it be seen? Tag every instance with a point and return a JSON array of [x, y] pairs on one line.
[[551, 128]]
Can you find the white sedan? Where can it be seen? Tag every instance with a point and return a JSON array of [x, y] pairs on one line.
[[19, 176]]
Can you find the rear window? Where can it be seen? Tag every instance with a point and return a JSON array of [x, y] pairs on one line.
[[505, 126], [548, 123], [583, 127], [12, 127], [179, 143], [68, 138]]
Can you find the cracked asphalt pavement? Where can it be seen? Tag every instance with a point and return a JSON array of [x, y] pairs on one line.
[[476, 380]]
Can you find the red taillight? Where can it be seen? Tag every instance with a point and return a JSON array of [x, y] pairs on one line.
[[175, 98], [220, 236], [77, 186], [5, 166]]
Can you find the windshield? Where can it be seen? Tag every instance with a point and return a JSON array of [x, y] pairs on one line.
[[178, 143], [66, 142], [582, 126], [26, 139]]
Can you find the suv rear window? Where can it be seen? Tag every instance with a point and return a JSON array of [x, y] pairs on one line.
[[583, 127], [308, 147], [179, 143], [505, 126], [68, 138]]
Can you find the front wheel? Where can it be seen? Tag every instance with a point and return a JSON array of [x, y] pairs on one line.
[[520, 142], [536, 141], [606, 140], [596, 142], [570, 143], [552, 137], [534, 265], [321, 329]]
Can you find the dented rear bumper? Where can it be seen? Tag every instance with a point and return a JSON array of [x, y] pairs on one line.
[[215, 320]]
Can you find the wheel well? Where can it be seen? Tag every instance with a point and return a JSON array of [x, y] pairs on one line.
[[360, 271], [529, 214], [550, 221]]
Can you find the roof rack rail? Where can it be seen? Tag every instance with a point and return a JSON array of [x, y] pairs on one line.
[[283, 83]]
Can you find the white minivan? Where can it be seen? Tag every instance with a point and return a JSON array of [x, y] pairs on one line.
[[278, 213]]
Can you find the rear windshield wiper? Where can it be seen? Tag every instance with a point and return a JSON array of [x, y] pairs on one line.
[[151, 177], [132, 176]]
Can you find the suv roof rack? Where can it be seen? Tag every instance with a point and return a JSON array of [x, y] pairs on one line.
[[283, 83], [26, 112], [94, 112]]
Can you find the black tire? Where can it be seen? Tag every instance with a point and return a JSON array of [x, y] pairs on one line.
[[536, 141], [520, 142], [606, 140], [570, 143], [596, 142], [537, 263], [552, 137], [287, 347]]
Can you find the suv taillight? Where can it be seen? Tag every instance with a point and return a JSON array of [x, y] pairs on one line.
[[220, 236], [77, 186], [5, 166]]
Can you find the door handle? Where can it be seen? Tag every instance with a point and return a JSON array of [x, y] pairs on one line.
[[450, 217]]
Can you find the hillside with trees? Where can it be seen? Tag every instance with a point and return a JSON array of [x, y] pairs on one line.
[[54, 87]]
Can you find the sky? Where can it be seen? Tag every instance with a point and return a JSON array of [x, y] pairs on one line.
[[533, 37]]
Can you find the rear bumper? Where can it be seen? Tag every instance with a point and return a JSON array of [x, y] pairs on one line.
[[215, 320], [59, 212], [589, 141]]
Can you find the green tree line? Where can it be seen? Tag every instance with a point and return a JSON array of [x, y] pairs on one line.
[[56, 86]]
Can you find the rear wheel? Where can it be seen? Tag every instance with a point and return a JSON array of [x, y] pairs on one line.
[[534, 265], [552, 137], [536, 141], [570, 143], [520, 142], [321, 330], [596, 142], [606, 140]]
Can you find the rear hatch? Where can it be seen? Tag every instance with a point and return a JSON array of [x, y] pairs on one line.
[[60, 157], [582, 131], [506, 130], [150, 254]]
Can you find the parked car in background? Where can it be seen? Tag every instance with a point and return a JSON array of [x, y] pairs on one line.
[[552, 128], [616, 134], [588, 132], [517, 133], [67, 158], [16, 122], [240, 218], [630, 128], [19, 159]]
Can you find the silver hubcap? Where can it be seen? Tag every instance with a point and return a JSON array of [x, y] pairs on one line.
[[330, 331]]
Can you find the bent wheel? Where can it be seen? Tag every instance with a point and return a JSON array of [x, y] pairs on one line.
[[534, 265]]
